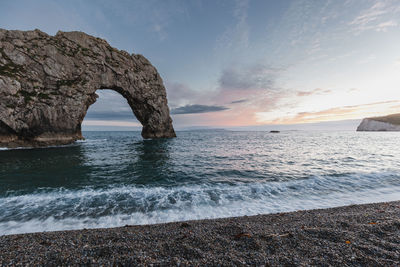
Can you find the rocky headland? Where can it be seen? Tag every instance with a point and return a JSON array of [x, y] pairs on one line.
[[385, 123], [47, 84]]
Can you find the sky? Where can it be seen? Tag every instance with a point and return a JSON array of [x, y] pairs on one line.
[[241, 63]]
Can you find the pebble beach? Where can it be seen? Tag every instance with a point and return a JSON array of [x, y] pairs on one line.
[[357, 235]]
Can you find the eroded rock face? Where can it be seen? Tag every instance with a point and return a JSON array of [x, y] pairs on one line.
[[47, 84], [371, 125], [385, 123]]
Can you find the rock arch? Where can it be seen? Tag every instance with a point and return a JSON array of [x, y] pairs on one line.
[[47, 84]]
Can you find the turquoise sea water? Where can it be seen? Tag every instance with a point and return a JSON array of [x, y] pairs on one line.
[[116, 178]]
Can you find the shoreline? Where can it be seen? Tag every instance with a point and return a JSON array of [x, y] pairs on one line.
[[366, 234]]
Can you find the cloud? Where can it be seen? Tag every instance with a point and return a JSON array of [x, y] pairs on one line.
[[253, 84], [160, 30], [163, 15], [233, 79], [382, 27], [367, 59], [317, 91], [236, 36], [378, 17], [256, 76], [180, 94], [353, 89], [157, 17], [239, 101], [344, 112], [194, 109], [370, 14]]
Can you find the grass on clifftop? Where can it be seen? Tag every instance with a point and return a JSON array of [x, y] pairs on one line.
[[392, 119]]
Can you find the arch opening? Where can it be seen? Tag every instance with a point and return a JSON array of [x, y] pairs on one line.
[[110, 112]]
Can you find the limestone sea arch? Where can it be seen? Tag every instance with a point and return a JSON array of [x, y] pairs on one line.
[[47, 84]]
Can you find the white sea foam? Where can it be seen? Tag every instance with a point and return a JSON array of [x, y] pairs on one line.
[[91, 141], [197, 212], [28, 147], [66, 210]]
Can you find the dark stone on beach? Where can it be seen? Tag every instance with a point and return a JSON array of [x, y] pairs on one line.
[[185, 225], [47, 84]]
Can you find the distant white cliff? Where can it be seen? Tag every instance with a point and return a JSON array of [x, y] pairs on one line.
[[386, 123]]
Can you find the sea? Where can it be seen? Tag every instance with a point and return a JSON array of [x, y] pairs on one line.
[[114, 179]]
